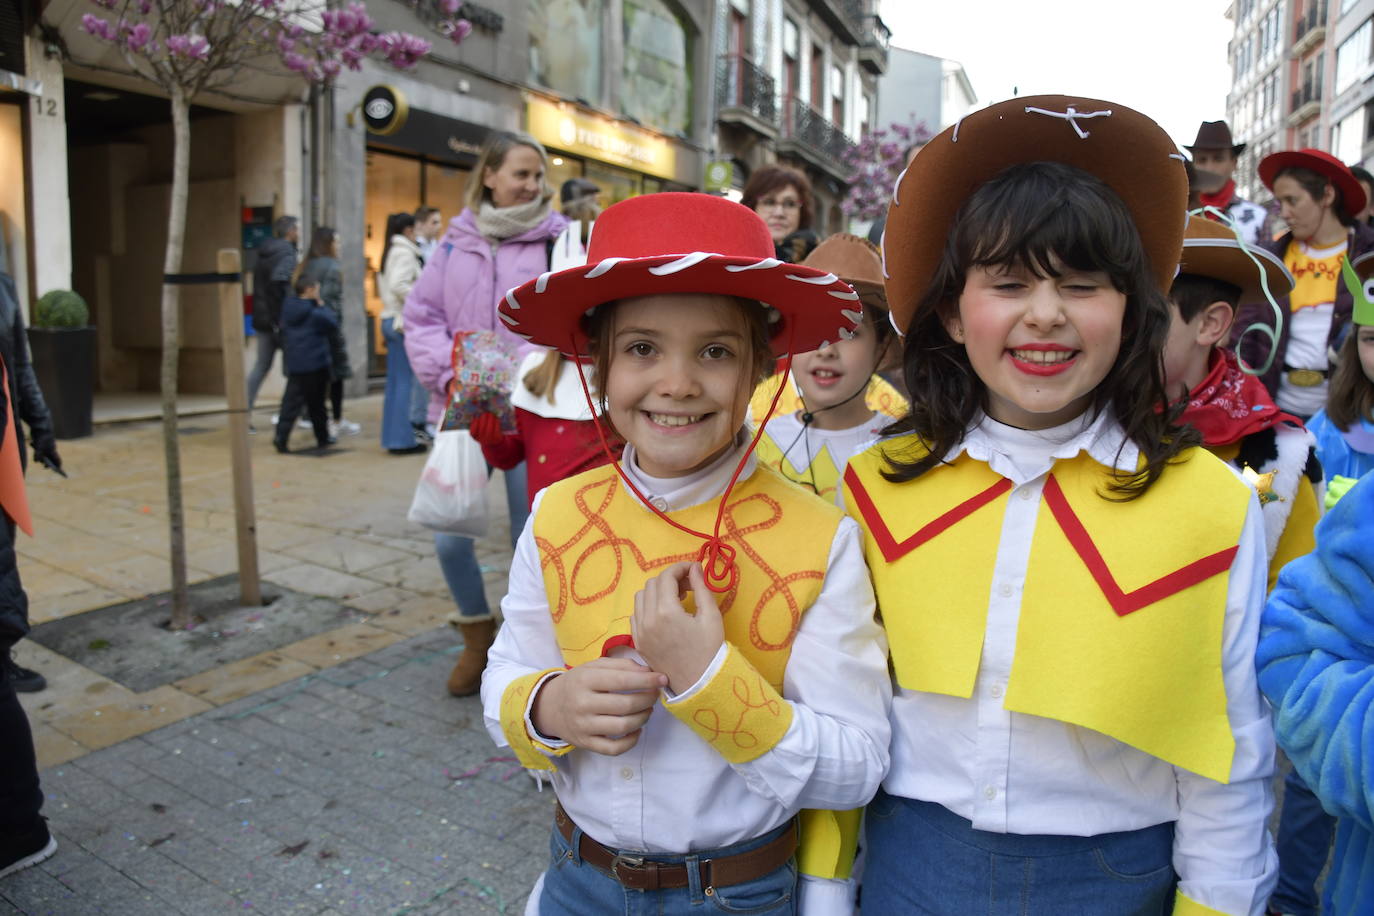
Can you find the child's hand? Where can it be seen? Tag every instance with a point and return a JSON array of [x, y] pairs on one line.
[[486, 429], [599, 706], [671, 639]]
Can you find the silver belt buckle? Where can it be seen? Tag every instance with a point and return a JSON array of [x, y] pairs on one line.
[[629, 861]]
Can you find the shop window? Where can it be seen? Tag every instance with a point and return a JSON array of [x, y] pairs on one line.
[[565, 46], [656, 77], [615, 184], [561, 168]]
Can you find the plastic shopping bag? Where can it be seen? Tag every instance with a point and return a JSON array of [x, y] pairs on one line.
[[452, 493]]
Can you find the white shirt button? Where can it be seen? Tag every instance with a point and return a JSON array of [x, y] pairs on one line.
[[660, 503], [990, 793], [627, 773], [996, 691], [1006, 590], [1026, 493]]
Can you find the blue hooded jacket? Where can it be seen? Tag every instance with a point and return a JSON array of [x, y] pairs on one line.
[[305, 332], [1316, 666]]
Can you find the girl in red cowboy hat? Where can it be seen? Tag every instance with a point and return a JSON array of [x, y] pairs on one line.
[[1071, 589], [689, 649], [1319, 199]]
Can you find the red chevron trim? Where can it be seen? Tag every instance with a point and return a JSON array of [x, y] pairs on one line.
[[615, 642], [892, 548], [1128, 602]]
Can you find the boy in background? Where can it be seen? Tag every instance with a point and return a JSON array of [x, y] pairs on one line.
[[306, 326]]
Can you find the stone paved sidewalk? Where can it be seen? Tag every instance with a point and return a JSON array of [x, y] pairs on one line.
[[362, 789]]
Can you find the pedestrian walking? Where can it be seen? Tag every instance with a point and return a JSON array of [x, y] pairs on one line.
[[500, 239], [308, 330], [777, 706], [272, 275], [1318, 198], [1071, 588], [429, 228], [400, 269], [323, 268]]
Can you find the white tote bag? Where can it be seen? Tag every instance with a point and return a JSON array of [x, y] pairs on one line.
[[452, 493]]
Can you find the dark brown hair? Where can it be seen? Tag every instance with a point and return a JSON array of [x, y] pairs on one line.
[[600, 324], [1315, 184], [770, 178], [1192, 293], [1350, 398], [1036, 215]]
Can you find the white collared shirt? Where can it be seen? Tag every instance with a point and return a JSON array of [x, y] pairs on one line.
[[1016, 773], [674, 793], [803, 444]]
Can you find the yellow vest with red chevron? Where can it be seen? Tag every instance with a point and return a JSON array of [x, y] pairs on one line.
[[598, 546], [1120, 626]]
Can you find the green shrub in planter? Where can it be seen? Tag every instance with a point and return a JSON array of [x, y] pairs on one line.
[[61, 308]]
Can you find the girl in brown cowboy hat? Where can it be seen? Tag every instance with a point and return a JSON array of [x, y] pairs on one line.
[[1070, 587]]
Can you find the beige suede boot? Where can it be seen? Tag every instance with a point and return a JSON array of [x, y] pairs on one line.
[[466, 677]]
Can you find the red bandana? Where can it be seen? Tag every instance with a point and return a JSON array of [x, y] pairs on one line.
[[1220, 199], [1229, 405]]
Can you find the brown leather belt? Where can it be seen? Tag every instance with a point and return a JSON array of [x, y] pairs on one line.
[[642, 874]]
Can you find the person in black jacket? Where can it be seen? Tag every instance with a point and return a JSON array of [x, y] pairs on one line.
[[271, 285], [26, 404], [24, 836], [307, 329]]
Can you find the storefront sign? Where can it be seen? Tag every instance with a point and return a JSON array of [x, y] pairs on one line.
[[720, 174], [384, 110], [566, 127], [433, 135]]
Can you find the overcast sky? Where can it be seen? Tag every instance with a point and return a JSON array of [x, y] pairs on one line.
[[1165, 58]]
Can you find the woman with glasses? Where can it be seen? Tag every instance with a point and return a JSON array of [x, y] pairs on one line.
[[782, 196]]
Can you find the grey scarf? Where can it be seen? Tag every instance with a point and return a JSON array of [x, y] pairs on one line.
[[499, 223]]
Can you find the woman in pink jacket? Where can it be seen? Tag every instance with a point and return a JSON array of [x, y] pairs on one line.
[[500, 240]]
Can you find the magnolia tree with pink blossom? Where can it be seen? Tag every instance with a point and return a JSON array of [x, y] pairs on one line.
[[189, 47], [874, 163]]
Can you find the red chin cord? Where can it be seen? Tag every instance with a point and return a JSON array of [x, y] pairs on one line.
[[716, 557]]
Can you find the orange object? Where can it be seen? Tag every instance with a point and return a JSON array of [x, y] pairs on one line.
[[14, 498]]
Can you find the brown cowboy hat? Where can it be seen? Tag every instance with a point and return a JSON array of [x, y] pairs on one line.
[[1212, 250], [1126, 150], [1216, 135], [854, 260]]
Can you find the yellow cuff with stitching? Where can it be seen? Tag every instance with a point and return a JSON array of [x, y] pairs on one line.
[[829, 841], [532, 753], [737, 712], [1185, 906]]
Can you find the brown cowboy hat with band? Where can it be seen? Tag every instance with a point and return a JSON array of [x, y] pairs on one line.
[[1123, 148], [1215, 135], [1212, 250], [854, 260], [1324, 164]]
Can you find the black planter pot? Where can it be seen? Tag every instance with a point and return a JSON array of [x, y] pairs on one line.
[[64, 362]]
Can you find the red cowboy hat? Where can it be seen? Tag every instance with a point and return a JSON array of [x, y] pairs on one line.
[[682, 243], [1324, 164]]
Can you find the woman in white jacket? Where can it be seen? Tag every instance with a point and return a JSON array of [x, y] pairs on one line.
[[400, 268]]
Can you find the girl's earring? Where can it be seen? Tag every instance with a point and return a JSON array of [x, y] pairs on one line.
[[958, 333]]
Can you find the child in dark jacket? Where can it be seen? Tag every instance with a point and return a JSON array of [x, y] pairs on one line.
[[306, 326]]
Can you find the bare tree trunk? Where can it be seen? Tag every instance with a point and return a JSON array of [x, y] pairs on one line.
[[171, 315]]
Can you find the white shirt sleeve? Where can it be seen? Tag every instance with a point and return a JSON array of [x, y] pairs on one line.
[[835, 753], [526, 642], [1223, 851]]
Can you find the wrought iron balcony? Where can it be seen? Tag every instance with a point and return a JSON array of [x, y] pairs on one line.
[[844, 17], [809, 133], [876, 42], [746, 95], [1309, 28], [1306, 102]]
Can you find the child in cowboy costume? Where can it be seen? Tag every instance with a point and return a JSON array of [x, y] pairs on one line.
[[1215, 152], [838, 383], [1071, 588], [689, 648], [1233, 411]]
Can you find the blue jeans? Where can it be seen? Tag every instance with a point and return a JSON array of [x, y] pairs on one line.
[[1304, 843], [574, 888], [923, 858], [397, 431], [267, 348], [458, 558]]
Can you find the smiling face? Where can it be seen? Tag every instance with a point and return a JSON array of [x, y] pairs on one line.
[[1040, 345], [518, 180], [682, 368], [781, 210], [1305, 215], [831, 377]]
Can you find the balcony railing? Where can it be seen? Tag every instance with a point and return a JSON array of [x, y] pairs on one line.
[[811, 129], [877, 40], [1310, 92], [740, 83], [1307, 24], [844, 16]]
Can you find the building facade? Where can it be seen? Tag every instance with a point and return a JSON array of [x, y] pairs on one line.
[[1350, 99], [797, 83], [922, 89], [1259, 106]]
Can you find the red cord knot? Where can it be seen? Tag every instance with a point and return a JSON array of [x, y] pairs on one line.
[[717, 560]]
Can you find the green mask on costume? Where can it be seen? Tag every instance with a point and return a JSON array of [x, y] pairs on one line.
[[1363, 293]]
